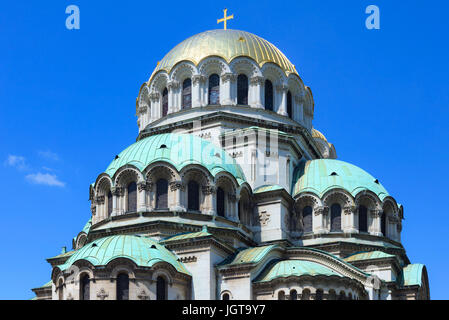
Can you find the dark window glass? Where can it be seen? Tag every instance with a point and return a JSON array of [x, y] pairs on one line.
[[305, 294], [335, 218], [342, 296], [187, 94], [242, 89], [383, 224], [363, 219], [281, 295], [319, 294], [122, 287], [193, 190], [161, 293], [293, 295], [165, 102], [109, 203], [220, 202], [226, 296], [214, 89], [162, 194], [307, 218], [269, 95], [132, 197], [289, 105], [85, 287]]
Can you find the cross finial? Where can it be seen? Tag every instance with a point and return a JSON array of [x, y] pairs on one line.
[[225, 18]]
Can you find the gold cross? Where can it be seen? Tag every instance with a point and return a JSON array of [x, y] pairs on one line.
[[225, 18]]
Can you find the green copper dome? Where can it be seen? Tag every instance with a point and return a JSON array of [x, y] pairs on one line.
[[322, 175], [298, 268], [179, 150], [144, 252]]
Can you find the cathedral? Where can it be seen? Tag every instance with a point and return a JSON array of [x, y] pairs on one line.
[[230, 193]]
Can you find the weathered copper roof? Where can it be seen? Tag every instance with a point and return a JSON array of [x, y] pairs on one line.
[[368, 256]]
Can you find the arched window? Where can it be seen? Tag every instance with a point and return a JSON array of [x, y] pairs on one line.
[[60, 290], [342, 296], [332, 295], [293, 295], [132, 197], [164, 102], [220, 202], [161, 289], [85, 287], [281, 295], [289, 105], [305, 294], [269, 95], [162, 194], [214, 89], [307, 218], [193, 191], [109, 203], [319, 294], [187, 94], [335, 218], [363, 219], [122, 286], [242, 89], [383, 224], [225, 296]]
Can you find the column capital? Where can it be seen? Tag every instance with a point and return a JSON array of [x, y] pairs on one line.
[[198, 78], [117, 191], [375, 213], [154, 96], [228, 77], [208, 190], [172, 84], [324, 210], [349, 210], [257, 80], [177, 185]]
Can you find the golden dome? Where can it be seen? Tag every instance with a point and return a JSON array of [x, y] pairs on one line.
[[227, 44], [318, 135]]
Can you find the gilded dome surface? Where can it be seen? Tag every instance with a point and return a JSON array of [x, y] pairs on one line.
[[227, 44]]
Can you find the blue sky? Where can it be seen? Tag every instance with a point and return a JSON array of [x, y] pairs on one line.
[[67, 105]]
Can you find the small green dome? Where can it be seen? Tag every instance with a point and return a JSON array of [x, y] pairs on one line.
[[322, 175], [143, 251], [179, 150]]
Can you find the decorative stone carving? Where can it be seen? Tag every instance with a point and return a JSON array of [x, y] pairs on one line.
[[102, 294], [228, 77], [99, 199], [173, 85], [208, 190], [154, 96], [142, 110], [196, 79], [93, 209], [232, 197], [349, 210], [147, 186], [257, 80], [375, 213], [264, 218], [117, 191], [143, 295], [177, 185], [321, 211]]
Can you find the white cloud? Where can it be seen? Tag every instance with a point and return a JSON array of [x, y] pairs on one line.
[[45, 179], [49, 155], [17, 162]]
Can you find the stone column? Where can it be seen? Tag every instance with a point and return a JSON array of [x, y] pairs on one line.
[[283, 97], [117, 192], [375, 229], [155, 106], [177, 187], [255, 85], [197, 82], [319, 219], [226, 84], [234, 210], [100, 212], [143, 188], [349, 214], [172, 105], [209, 193]]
